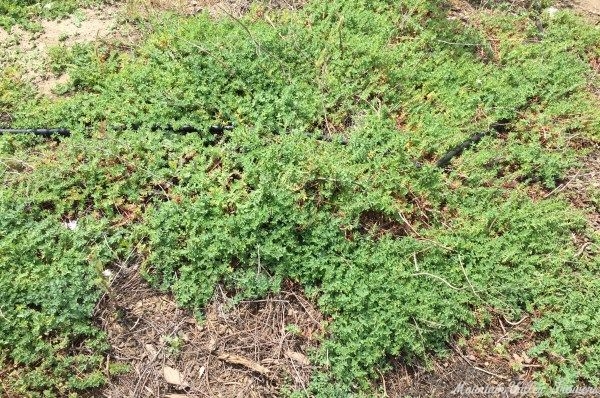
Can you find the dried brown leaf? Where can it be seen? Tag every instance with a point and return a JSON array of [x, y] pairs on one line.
[[297, 357], [239, 360], [173, 376]]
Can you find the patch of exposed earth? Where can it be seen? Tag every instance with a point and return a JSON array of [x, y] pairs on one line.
[[261, 348], [253, 349], [588, 6], [28, 51], [492, 361], [4, 36]]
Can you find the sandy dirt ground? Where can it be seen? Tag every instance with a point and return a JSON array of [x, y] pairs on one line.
[[590, 6], [28, 51]]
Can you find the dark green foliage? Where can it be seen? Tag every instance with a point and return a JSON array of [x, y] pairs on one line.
[[399, 254], [52, 275], [47, 301]]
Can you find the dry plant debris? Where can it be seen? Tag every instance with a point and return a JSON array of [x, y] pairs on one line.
[[493, 357], [582, 187], [252, 349]]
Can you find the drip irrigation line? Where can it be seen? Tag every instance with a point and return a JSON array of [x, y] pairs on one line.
[[40, 132], [214, 129], [63, 132], [495, 129]]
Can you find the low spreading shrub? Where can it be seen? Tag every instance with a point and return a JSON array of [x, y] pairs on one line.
[[399, 254]]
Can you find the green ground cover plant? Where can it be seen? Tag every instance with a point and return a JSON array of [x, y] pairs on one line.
[[400, 255]]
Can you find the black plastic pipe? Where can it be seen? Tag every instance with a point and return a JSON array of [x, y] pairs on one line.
[[443, 162], [214, 129], [63, 132], [40, 132], [495, 128]]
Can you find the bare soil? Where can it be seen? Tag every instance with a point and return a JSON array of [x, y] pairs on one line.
[[29, 51], [253, 349], [493, 357], [257, 348], [588, 6]]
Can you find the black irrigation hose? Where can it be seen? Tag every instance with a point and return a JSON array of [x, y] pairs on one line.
[[40, 132], [495, 128], [216, 129], [443, 162]]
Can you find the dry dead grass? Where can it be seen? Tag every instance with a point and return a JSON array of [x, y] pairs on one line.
[[146, 8]]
